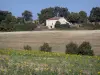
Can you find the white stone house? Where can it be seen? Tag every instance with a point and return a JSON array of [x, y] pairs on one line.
[[50, 23]]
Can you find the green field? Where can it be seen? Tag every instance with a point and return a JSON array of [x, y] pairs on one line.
[[15, 62]]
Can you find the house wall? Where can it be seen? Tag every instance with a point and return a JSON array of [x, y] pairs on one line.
[[50, 23], [62, 21]]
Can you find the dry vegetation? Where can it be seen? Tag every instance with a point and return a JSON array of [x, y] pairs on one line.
[[56, 39]]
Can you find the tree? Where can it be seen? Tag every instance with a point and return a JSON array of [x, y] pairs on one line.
[[20, 20], [8, 23], [46, 14], [71, 48], [52, 12], [83, 16], [95, 15], [45, 48], [74, 17], [85, 49], [61, 12], [3, 15], [10, 19], [27, 15]]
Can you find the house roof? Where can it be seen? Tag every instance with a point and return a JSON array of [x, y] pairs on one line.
[[54, 18]]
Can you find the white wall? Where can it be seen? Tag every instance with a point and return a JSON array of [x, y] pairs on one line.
[[63, 21], [50, 23]]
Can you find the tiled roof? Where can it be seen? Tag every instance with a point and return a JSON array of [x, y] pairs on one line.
[[54, 18]]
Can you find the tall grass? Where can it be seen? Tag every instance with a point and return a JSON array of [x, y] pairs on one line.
[[13, 62]]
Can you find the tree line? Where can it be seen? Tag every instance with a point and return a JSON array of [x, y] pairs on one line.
[[73, 17], [9, 22]]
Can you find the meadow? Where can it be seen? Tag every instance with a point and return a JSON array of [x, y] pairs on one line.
[[22, 62]]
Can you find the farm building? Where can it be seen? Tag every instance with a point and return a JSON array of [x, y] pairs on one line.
[[50, 23]]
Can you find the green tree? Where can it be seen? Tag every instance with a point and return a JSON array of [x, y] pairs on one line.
[[27, 15], [20, 20], [10, 19], [85, 49], [71, 48], [3, 15], [83, 16], [52, 12], [61, 12], [45, 14], [74, 17], [8, 23], [95, 15]]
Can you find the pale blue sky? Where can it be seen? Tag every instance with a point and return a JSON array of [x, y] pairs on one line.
[[18, 6]]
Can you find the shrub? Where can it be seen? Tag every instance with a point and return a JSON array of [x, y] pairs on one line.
[[58, 23], [25, 27], [6, 27], [27, 47], [61, 26], [91, 26], [71, 48], [45, 48], [85, 49]]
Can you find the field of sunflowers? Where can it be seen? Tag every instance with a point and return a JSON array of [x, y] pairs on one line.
[[21, 62]]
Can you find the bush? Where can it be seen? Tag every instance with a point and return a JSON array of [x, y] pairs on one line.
[[61, 26], [27, 47], [6, 27], [71, 48], [85, 49], [91, 26], [25, 27], [58, 23], [45, 48]]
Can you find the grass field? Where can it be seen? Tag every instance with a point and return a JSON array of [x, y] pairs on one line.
[[21, 62], [56, 39]]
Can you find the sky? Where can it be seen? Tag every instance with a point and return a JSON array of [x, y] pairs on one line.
[[35, 6]]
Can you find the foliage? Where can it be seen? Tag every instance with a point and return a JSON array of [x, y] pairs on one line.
[[25, 27], [95, 14], [62, 26], [27, 15], [74, 17], [21, 62], [71, 48], [8, 23], [10, 19], [20, 20], [52, 12], [90, 26], [85, 49], [45, 48], [27, 47], [58, 23], [83, 16], [3, 15]]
